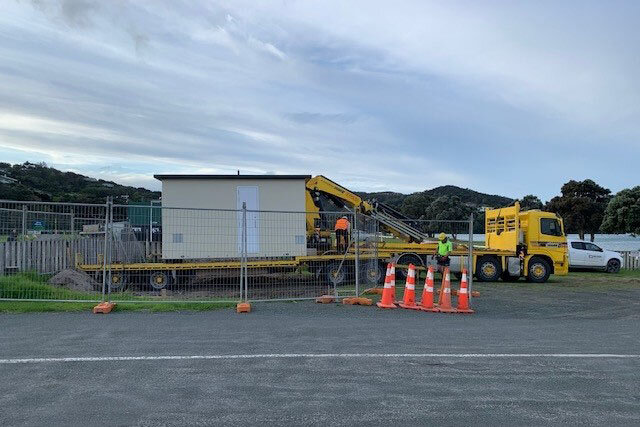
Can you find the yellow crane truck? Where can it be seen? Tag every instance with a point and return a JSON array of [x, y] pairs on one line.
[[529, 244]]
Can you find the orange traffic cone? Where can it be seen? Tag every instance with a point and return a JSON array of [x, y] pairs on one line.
[[389, 291], [427, 294], [409, 298], [463, 294], [444, 301]]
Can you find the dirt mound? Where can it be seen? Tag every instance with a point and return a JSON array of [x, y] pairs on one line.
[[76, 280]]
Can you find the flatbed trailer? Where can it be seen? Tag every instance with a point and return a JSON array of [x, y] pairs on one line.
[[331, 268]]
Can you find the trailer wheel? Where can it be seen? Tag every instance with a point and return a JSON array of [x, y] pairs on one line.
[[118, 280], [539, 270], [159, 280], [373, 272], [335, 274], [405, 259], [488, 269]]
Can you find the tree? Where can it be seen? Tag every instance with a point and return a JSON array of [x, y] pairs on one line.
[[415, 205], [581, 206], [445, 209], [622, 214], [529, 202]]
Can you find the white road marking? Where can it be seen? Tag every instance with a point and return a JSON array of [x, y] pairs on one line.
[[322, 356]]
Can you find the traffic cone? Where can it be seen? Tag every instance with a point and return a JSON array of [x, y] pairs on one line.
[[389, 291], [444, 301], [427, 294], [409, 298], [463, 294]]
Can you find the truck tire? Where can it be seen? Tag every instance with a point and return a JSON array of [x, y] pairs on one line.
[[538, 270], [488, 269]]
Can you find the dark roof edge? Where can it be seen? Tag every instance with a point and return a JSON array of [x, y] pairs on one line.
[[163, 177]]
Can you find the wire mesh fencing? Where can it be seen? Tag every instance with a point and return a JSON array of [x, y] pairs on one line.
[[154, 253], [41, 244]]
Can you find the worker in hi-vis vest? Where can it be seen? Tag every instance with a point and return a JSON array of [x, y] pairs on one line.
[[442, 252], [342, 234]]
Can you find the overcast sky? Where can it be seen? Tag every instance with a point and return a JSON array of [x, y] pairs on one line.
[[502, 97]]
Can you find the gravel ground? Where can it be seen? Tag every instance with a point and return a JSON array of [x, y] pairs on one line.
[[566, 317]]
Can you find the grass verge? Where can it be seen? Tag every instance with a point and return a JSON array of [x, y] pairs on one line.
[[34, 286]]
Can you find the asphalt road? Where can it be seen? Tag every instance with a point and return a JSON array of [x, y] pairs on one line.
[[342, 390]]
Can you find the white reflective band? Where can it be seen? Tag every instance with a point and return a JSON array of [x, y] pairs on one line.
[[411, 286], [447, 277], [462, 291], [388, 285], [412, 273], [447, 290], [430, 275], [393, 269], [429, 289], [464, 277]]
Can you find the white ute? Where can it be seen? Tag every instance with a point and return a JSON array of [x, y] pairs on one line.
[[588, 255]]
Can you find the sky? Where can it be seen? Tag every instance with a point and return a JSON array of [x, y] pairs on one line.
[[503, 97]]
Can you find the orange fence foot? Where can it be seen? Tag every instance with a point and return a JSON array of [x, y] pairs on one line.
[[357, 301], [243, 307], [325, 299], [103, 307], [373, 291]]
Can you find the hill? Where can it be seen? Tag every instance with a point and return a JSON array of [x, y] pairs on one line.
[[38, 182], [467, 196]]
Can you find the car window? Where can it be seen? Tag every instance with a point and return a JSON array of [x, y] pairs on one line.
[[592, 247], [550, 227], [577, 245]]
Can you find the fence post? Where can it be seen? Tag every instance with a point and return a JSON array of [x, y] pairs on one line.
[[24, 221], [243, 257], [355, 227], [110, 242], [24, 238], [470, 261], [104, 250]]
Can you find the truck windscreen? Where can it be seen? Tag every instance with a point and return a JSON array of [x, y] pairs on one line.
[[550, 227]]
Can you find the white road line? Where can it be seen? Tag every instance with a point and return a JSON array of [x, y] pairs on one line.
[[323, 356]]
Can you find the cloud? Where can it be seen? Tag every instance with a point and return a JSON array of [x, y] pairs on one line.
[[376, 96], [315, 118]]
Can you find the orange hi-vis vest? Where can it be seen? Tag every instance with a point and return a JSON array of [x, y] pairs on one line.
[[342, 224]]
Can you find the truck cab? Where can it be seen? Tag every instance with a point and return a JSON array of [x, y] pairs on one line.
[[535, 237]]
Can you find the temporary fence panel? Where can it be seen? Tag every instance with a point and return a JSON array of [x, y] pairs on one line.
[[300, 255], [197, 257], [42, 242]]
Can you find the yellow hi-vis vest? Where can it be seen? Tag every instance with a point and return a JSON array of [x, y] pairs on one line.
[[444, 248]]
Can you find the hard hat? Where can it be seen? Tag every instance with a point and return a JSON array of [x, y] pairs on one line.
[[442, 236], [344, 217]]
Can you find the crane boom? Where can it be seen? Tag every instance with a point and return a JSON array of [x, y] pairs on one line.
[[324, 195]]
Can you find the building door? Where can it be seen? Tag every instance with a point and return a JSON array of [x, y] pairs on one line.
[[250, 196]]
